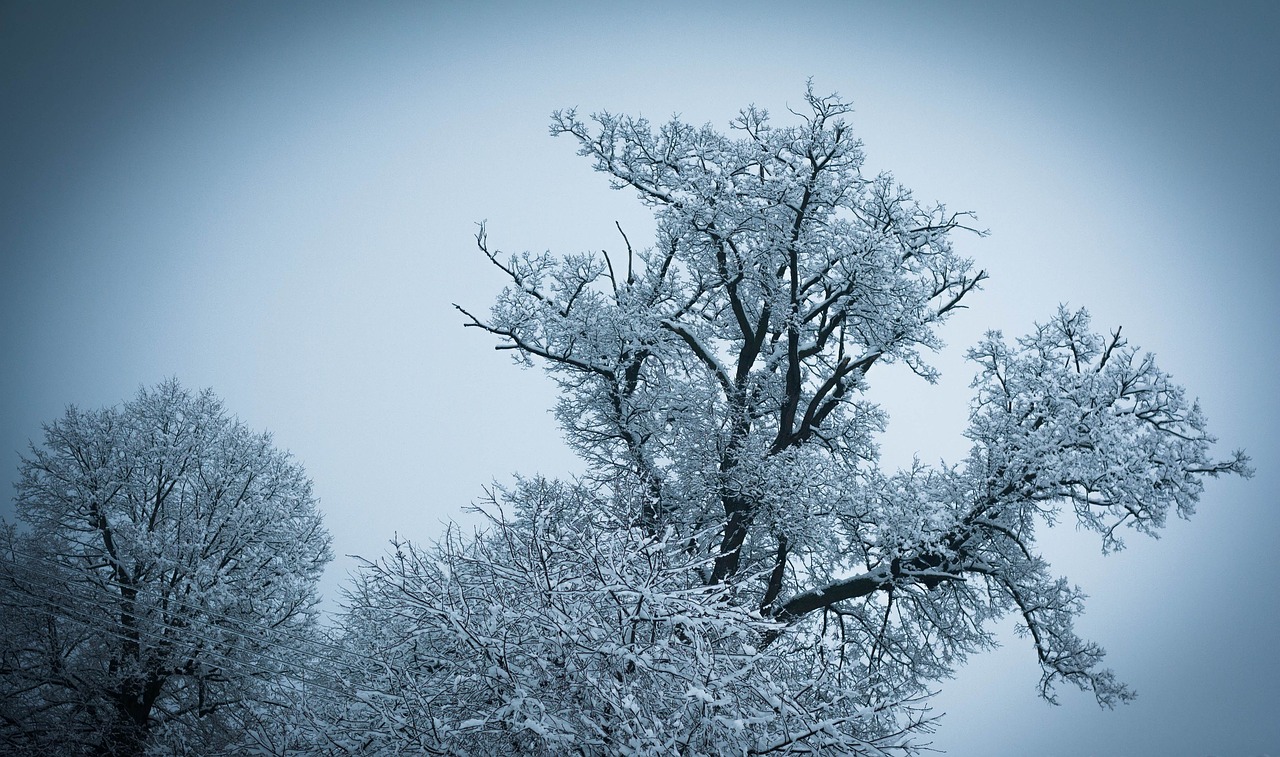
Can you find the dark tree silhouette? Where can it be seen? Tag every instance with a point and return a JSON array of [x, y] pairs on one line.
[[167, 551]]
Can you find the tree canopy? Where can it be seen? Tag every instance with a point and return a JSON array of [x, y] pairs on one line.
[[168, 554]]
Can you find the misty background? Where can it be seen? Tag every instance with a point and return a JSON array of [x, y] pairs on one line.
[[277, 200]]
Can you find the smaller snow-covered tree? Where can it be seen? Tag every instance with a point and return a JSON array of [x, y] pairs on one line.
[[168, 555]]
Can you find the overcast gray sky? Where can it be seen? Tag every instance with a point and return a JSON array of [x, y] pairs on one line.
[[277, 200]]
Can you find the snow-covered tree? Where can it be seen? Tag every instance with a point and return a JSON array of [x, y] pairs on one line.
[[168, 556], [735, 543]]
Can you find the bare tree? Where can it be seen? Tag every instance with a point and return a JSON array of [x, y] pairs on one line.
[[167, 552]]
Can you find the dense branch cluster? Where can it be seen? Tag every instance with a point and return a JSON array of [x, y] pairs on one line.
[[558, 631], [169, 551]]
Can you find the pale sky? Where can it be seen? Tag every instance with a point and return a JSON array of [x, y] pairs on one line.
[[276, 200]]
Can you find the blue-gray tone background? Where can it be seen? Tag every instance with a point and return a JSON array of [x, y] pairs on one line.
[[277, 200]]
